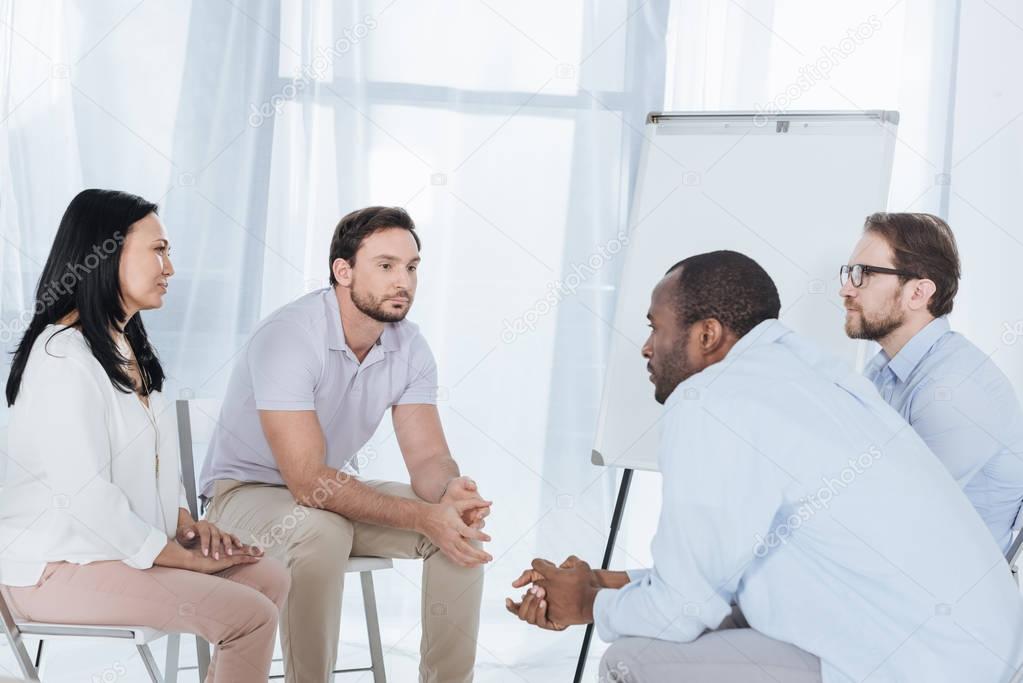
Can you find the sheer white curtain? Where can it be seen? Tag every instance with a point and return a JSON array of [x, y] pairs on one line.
[[508, 130], [987, 172]]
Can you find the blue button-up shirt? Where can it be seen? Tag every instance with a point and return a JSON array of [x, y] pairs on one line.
[[965, 409], [793, 489]]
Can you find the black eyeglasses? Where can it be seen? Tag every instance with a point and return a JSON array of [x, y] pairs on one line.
[[856, 272]]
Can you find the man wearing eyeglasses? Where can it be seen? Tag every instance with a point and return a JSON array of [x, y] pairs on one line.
[[898, 289]]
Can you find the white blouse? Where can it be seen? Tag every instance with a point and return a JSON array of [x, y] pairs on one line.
[[82, 483]]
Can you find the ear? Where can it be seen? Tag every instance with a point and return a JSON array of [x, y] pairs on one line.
[[342, 272], [921, 294], [710, 336]]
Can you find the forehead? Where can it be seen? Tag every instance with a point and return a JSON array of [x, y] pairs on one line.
[[663, 295], [149, 228], [872, 250], [391, 241]]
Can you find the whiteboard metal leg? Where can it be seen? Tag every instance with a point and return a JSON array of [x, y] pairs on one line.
[[616, 522]]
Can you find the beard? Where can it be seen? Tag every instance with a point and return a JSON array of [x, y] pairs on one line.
[[876, 327], [378, 308], [673, 372]]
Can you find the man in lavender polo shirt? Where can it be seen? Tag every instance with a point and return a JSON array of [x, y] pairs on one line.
[[306, 394]]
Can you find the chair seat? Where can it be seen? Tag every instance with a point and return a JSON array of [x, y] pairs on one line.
[[368, 564], [140, 635]]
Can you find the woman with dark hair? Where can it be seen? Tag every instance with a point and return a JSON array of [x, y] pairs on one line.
[[94, 523]]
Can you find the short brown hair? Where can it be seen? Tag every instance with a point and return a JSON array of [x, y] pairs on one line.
[[360, 224], [922, 244]]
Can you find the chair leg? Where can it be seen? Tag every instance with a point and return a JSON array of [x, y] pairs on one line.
[[202, 657], [17, 643], [39, 656], [28, 668], [376, 651], [170, 667], [150, 663]]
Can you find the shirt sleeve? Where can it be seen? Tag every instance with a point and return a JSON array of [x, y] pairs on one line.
[[284, 367], [183, 497], [422, 385], [78, 458], [956, 417], [719, 494]]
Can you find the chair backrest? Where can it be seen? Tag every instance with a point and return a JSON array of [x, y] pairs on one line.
[[197, 418], [1012, 555]]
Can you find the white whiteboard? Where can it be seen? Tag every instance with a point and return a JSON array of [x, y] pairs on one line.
[[789, 190]]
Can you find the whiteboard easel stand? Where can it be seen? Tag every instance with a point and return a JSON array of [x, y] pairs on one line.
[[616, 522]]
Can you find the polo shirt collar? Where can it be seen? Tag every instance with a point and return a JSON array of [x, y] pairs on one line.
[[910, 355], [335, 333], [388, 341]]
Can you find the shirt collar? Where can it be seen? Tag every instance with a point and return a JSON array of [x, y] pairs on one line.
[[906, 360], [388, 341], [766, 332], [335, 333]]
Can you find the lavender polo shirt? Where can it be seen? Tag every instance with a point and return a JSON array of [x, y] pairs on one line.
[[297, 359]]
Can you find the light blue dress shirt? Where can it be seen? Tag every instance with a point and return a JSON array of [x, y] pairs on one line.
[[793, 489], [965, 409]]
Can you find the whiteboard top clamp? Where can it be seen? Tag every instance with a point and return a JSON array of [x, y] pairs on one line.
[[763, 117]]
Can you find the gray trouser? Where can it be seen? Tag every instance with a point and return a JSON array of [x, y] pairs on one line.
[[725, 655]]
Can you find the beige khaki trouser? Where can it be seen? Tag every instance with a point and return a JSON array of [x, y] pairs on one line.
[[315, 545]]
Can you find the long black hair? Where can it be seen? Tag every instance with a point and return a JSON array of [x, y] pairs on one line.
[[82, 275]]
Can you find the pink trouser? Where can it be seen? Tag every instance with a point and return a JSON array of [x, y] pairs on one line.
[[236, 610]]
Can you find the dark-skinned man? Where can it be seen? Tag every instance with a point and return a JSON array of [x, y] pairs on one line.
[[806, 532]]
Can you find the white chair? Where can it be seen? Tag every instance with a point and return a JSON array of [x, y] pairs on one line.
[[206, 413], [1012, 555], [141, 636]]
